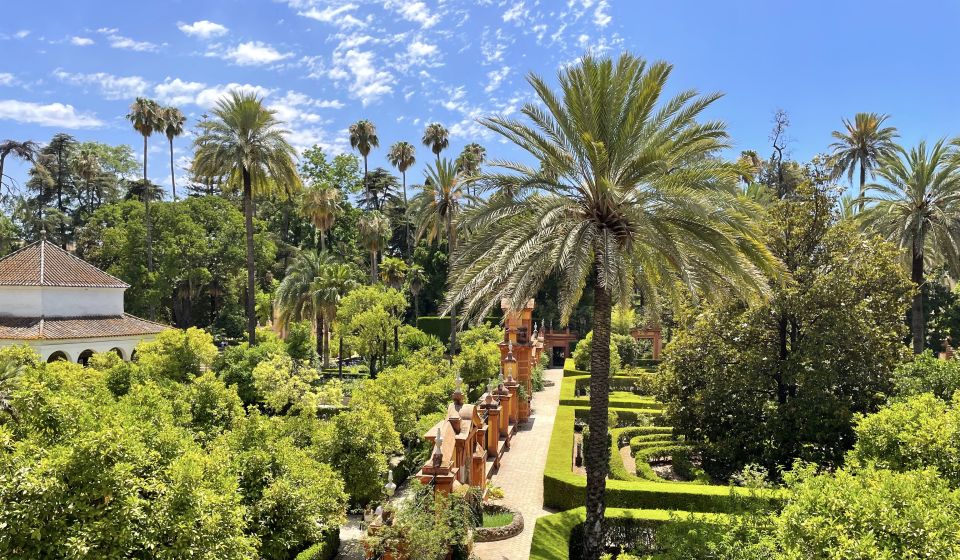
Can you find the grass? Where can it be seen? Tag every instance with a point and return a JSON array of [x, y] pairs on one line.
[[618, 398], [499, 519]]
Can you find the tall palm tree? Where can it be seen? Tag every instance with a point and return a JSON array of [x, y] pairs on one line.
[[416, 278], [334, 282], [173, 121], [321, 205], [245, 142], [434, 212], [363, 138], [26, 151], [145, 117], [402, 155], [436, 137], [86, 164], [917, 206], [862, 145], [393, 272], [471, 158], [629, 192], [375, 233]]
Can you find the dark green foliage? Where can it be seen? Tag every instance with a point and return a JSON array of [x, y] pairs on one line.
[[235, 364], [782, 379], [326, 549], [440, 326], [927, 374], [300, 342]]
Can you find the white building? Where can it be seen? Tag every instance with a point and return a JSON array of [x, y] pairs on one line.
[[65, 308]]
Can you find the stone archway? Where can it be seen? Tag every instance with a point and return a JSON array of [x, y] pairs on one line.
[[58, 356], [84, 358]]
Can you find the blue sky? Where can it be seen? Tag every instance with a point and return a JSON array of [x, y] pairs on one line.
[[75, 66]]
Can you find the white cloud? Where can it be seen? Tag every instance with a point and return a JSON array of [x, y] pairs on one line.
[[254, 53], [493, 47], [177, 91], [415, 11], [209, 97], [204, 29], [22, 34], [118, 41], [600, 15], [337, 15], [52, 114], [515, 12], [110, 86], [7, 79], [357, 69], [496, 78], [81, 41]]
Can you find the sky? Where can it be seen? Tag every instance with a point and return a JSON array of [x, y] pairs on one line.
[[321, 65]]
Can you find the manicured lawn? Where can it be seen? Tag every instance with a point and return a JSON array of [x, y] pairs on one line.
[[491, 520]]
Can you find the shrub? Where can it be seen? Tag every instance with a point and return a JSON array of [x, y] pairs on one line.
[[928, 374], [287, 385], [235, 365], [921, 431], [177, 355], [581, 355], [300, 343], [631, 351], [481, 333], [477, 363], [413, 340]]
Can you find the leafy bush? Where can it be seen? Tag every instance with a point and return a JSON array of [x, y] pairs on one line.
[[300, 343], [631, 351], [286, 385], [177, 355], [235, 365], [582, 353], [921, 431], [928, 374], [477, 363], [413, 340], [480, 334]]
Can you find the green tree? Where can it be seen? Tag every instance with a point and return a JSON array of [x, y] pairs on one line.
[[435, 210], [374, 235], [863, 144], [146, 119], [415, 281], [172, 120], [625, 192], [402, 155], [437, 138], [245, 142], [177, 355], [321, 205], [916, 208], [927, 374], [781, 380], [363, 138], [393, 272], [26, 151], [368, 318], [296, 296]]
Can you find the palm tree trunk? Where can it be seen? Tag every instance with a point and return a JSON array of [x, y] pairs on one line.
[[251, 280], [326, 344], [340, 358], [453, 308], [3, 157], [416, 306], [863, 186], [323, 243], [173, 177], [320, 325], [147, 223], [406, 222], [917, 324], [598, 445], [373, 267]]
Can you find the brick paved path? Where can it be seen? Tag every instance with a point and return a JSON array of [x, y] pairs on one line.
[[521, 473]]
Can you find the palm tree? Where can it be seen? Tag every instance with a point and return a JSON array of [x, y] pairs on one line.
[[434, 212], [862, 145], [245, 142], [402, 155], [26, 151], [173, 121], [363, 138], [750, 166], [917, 206], [629, 193], [374, 229], [436, 137], [470, 159], [86, 164], [321, 205], [335, 281], [145, 117], [416, 277], [10, 370], [393, 272]]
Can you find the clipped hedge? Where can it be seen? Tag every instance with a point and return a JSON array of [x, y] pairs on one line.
[[325, 549], [646, 404], [563, 489], [440, 326], [618, 470], [552, 533]]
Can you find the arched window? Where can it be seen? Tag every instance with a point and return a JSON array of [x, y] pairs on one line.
[[117, 351], [84, 358], [57, 356]]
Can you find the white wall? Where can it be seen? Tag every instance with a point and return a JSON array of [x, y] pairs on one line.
[[34, 301], [74, 347]]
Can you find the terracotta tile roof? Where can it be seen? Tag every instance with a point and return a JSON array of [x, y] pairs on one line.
[[44, 264], [59, 328]]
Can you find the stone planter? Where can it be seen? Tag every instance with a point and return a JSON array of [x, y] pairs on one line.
[[491, 534]]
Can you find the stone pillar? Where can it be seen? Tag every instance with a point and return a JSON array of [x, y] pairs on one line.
[[515, 403]]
